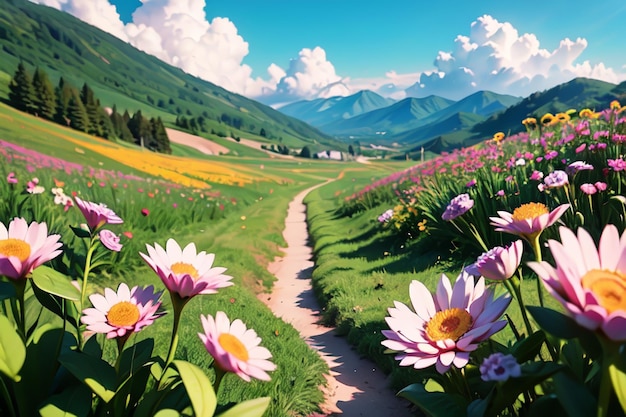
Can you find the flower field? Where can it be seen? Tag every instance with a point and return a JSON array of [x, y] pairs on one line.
[[532, 228]]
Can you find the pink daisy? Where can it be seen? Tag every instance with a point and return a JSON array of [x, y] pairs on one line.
[[445, 327], [528, 220], [97, 215], [235, 348], [589, 281], [499, 263], [24, 247], [185, 271], [121, 313]]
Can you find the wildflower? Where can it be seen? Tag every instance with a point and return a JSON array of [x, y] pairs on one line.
[[499, 367], [548, 119], [530, 123], [11, 179], [500, 263], [614, 105], [421, 225], [581, 148], [588, 114], [576, 166], [97, 215], [110, 240], [121, 313], [33, 187], [184, 271], [447, 325], [24, 247], [588, 189], [551, 155], [128, 234], [617, 164], [562, 117], [458, 206], [497, 137], [536, 175], [556, 179], [235, 348], [386, 216], [471, 183], [528, 220], [589, 282], [500, 193], [145, 212], [601, 186], [520, 162]]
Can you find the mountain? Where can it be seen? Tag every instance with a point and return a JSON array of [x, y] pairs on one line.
[[320, 112], [576, 94], [399, 117], [119, 74], [457, 122]]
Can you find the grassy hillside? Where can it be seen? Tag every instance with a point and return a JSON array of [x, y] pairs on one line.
[[60, 44]]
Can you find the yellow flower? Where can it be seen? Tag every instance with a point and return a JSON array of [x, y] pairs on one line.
[[548, 119], [529, 121], [562, 117], [422, 225], [498, 137], [615, 105]]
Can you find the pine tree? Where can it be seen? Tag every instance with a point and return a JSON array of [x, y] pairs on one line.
[[162, 141], [76, 113], [64, 92], [139, 126], [91, 107], [45, 98], [21, 92], [120, 128]]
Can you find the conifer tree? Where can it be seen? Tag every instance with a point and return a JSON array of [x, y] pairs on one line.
[[76, 113], [21, 92], [91, 108], [139, 126], [45, 98], [162, 141], [120, 128], [63, 95]]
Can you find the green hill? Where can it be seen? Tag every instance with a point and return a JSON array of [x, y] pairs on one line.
[[119, 74]]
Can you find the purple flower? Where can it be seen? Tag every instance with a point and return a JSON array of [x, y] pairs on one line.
[[576, 166], [471, 183], [556, 179], [97, 215], [110, 240], [384, 218], [500, 263], [551, 155], [499, 367], [458, 205]]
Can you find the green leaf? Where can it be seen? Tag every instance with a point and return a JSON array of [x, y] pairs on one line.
[[54, 282], [434, 404], [529, 347], [80, 232], [250, 408], [574, 396], [136, 356], [74, 401], [12, 350], [618, 378], [199, 388], [7, 290], [555, 323], [93, 372], [57, 305]]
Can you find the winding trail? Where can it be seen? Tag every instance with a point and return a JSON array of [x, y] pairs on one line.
[[356, 387]]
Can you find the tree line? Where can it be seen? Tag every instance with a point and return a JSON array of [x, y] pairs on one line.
[[81, 110]]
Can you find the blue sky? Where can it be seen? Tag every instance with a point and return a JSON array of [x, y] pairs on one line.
[[283, 50]]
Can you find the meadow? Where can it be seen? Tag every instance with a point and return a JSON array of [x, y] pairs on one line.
[[231, 206], [455, 275]]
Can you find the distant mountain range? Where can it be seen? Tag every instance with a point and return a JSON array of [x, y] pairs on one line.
[[63, 45], [441, 124]]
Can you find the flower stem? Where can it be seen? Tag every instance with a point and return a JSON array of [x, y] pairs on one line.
[[610, 351], [7, 398], [219, 375], [516, 285], [20, 289], [537, 250], [83, 291], [177, 306]]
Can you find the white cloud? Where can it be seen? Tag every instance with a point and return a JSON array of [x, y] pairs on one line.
[[495, 57]]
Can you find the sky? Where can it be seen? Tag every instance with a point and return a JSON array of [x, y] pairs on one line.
[[281, 51]]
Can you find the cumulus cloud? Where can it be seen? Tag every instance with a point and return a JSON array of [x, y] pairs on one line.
[[496, 57]]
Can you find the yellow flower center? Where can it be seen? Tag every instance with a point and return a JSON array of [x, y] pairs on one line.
[[529, 211], [123, 314], [449, 324], [233, 346], [183, 268], [609, 287], [15, 247]]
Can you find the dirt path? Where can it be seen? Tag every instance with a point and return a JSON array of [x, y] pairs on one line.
[[356, 387]]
